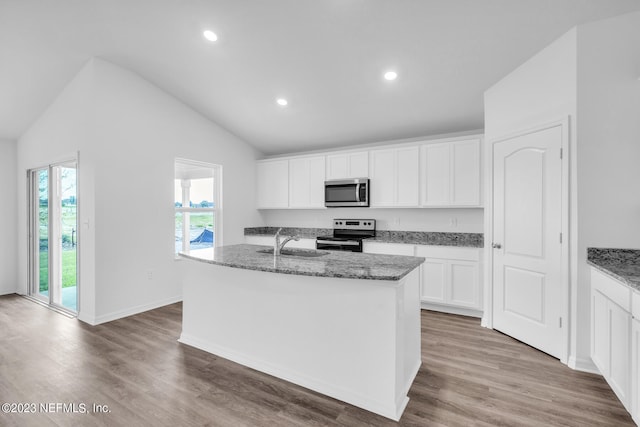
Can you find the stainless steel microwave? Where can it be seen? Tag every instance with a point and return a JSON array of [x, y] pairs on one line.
[[346, 192]]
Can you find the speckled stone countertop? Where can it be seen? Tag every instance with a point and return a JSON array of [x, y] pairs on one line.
[[334, 264], [621, 264], [471, 240]]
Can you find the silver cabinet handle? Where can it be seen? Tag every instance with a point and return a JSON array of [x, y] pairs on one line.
[[496, 246]]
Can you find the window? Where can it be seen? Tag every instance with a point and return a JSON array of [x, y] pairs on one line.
[[198, 207]]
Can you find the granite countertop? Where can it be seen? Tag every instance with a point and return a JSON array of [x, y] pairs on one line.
[[334, 264], [471, 240], [621, 264]]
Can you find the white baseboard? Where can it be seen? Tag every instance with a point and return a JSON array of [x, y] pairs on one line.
[[583, 364], [450, 309], [131, 311]]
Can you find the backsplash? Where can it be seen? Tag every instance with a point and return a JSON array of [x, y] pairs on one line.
[[472, 240], [448, 220]]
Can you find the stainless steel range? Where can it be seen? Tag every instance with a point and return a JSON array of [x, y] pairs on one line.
[[347, 235]]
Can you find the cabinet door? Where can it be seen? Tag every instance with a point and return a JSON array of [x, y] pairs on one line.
[[383, 178], [635, 370], [465, 173], [435, 174], [434, 279], [306, 182], [600, 332], [464, 289], [619, 366], [337, 166], [359, 165], [273, 184], [349, 165], [407, 178]]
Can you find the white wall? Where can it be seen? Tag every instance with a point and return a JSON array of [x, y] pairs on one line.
[[608, 145], [8, 218], [590, 74], [127, 149], [444, 220], [141, 131], [62, 131], [540, 91]]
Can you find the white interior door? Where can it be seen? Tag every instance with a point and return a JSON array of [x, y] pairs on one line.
[[527, 248]]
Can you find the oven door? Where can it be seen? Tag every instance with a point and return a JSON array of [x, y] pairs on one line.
[[339, 245], [350, 192]]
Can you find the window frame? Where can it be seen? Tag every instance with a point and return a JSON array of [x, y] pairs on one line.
[[216, 210]]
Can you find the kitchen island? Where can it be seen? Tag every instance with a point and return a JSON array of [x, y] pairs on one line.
[[343, 324]]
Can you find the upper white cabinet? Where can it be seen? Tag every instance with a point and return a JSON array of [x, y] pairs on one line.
[[348, 165], [306, 182], [450, 174], [394, 177], [272, 184], [441, 173]]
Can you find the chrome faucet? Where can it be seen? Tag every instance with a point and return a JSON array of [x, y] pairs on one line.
[[277, 245]]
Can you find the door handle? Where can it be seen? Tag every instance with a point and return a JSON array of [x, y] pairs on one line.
[[496, 246]]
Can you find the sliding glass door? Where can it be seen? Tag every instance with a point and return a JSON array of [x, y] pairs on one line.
[[53, 232]]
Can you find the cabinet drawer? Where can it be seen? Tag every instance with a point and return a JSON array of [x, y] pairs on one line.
[[388, 248], [612, 289], [449, 252], [635, 305]]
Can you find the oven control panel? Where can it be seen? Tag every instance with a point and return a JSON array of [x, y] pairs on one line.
[[354, 224]]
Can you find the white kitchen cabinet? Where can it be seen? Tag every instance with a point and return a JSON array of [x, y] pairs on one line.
[[370, 247], [451, 279], [635, 370], [450, 276], [272, 184], [348, 165], [450, 174], [611, 333], [306, 182], [394, 177], [635, 358]]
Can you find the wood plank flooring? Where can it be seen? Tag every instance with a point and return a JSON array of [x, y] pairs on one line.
[[470, 376]]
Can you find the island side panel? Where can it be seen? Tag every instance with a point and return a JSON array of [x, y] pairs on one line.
[[409, 333], [336, 336]]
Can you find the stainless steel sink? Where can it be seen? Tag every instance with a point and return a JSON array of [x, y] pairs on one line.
[[307, 253]]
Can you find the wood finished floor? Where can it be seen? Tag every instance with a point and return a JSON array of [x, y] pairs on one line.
[[470, 376]]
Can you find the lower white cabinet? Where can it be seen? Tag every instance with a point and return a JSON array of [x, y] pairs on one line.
[[388, 248], [635, 369], [451, 279], [635, 357], [611, 333]]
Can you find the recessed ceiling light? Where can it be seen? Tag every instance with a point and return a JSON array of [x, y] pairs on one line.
[[210, 35], [282, 102], [390, 75]]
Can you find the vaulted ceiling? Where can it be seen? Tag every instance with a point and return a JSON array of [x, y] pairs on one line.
[[326, 57]]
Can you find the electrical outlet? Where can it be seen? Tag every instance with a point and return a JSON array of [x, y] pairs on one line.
[[395, 221], [453, 222], [149, 274]]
